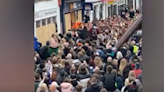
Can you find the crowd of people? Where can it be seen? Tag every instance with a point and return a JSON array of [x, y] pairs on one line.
[[86, 59]]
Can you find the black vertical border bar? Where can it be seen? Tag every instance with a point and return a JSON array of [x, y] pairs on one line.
[[17, 46], [62, 17]]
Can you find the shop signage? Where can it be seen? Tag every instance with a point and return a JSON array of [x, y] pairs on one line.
[[75, 5], [46, 13], [88, 6]]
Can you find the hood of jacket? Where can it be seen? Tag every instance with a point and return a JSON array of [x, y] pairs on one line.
[[65, 85]]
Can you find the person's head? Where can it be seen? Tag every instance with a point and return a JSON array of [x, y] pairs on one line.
[[52, 87], [123, 64], [97, 69], [54, 76], [79, 88], [133, 43], [103, 90], [95, 75], [42, 88], [67, 64], [131, 74], [119, 55], [69, 56], [114, 71], [82, 70], [62, 73], [37, 76], [97, 61], [109, 59], [93, 80], [109, 69], [115, 62], [42, 65], [137, 65]]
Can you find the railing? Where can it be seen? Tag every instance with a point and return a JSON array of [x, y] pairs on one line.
[[130, 31]]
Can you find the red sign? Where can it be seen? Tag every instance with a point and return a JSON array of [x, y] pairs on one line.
[[59, 2]]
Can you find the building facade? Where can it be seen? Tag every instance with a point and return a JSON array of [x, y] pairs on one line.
[[46, 20], [71, 12], [97, 9]]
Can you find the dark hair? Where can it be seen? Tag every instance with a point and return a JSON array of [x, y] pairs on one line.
[[37, 76], [62, 73], [41, 65], [109, 68], [78, 88], [73, 76]]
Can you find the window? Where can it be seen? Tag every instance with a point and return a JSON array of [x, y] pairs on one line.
[[76, 15], [43, 22], [54, 19], [49, 21], [37, 24]]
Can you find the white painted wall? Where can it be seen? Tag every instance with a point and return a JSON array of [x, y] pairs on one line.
[[47, 9]]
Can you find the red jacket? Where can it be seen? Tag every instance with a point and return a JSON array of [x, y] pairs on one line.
[[137, 72]]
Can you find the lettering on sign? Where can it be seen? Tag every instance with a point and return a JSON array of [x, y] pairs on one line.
[[51, 12]]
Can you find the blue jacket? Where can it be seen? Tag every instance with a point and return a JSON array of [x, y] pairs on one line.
[[36, 44]]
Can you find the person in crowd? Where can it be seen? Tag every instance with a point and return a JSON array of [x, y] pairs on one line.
[[94, 86], [37, 81], [119, 79], [137, 71], [87, 17], [53, 44], [66, 86], [37, 44], [109, 79], [123, 64], [130, 78]]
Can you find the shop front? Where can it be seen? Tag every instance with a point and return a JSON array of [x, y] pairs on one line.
[[47, 20], [72, 13], [98, 7], [121, 4]]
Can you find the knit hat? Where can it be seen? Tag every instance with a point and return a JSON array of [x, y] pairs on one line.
[[137, 65]]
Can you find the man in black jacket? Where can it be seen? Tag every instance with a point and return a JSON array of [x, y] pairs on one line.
[[94, 86], [109, 79]]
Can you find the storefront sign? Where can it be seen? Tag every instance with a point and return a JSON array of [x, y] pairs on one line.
[[121, 2], [46, 13], [88, 6], [110, 2], [75, 5]]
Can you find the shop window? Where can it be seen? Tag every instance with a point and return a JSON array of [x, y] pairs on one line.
[[54, 19], [76, 15], [43, 22], [49, 21], [109, 11], [37, 24]]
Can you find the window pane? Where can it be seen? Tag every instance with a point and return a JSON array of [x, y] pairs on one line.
[[37, 24], [49, 21], [54, 19], [43, 22]]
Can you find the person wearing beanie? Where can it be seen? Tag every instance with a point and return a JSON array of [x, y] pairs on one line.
[[137, 71]]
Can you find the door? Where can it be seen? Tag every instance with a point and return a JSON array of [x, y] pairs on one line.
[[109, 11], [67, 22]]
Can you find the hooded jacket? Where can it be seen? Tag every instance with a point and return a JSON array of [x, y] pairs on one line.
[[66, 87], [93, 88], [36, 44]]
